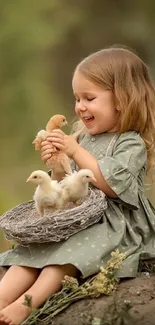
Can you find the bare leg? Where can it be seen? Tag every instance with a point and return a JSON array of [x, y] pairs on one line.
[[15, 282], [48, 282]]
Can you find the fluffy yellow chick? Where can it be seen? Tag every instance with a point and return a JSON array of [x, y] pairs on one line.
[[48, 192], [59, 161], [75, 186], [56, 122]]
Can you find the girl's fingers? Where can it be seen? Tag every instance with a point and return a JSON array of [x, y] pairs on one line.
[[59, 146], [47, 151], [58, 140], [58, 131], [55, 135], [46, 157], [45, 148], [48, 146], [44, 143], [48, 134]]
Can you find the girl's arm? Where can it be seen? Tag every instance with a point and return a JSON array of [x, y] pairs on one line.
[[82, 157], [46, 152]]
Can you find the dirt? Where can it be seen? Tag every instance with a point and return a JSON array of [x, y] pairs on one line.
[[132, 303]]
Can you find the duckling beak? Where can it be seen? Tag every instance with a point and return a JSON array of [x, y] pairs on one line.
[[94, 179], [28, 179]]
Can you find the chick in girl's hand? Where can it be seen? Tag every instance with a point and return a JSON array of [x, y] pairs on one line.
[[75, 186], [59, 161], [48, 192], [56, 122]]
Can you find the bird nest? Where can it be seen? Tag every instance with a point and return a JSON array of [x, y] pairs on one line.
[[24, 225]]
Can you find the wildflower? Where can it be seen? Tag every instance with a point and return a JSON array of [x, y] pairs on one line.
[[70, 282]]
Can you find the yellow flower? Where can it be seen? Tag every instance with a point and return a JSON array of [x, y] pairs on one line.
[[70, 282]]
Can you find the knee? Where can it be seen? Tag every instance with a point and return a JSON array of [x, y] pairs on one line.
[[65, 269], [18, 269], [70, 270]]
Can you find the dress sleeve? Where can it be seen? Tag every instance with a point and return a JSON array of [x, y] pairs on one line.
[[73, 165], [121, 170]]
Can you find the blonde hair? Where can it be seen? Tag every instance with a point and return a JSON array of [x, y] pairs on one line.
[[127, 76]]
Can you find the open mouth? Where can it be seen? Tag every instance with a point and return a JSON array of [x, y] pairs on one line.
[[88, 119]]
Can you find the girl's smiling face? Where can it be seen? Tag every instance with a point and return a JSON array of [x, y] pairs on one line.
[[95, 106]]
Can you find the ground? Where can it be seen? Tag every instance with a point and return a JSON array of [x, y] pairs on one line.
[[132, 303]]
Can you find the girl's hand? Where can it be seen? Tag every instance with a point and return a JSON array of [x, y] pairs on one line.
[[63, 142], [46, 150]]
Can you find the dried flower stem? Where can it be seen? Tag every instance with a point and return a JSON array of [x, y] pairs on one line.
[[104, 282]]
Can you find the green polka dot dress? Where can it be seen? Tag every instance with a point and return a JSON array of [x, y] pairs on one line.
[[128, 223]]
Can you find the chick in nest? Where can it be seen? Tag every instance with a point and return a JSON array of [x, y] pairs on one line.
[[59, 161], [48, 192], [75, 186]]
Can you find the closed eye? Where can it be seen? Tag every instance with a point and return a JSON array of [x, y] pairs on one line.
[[90, 99]]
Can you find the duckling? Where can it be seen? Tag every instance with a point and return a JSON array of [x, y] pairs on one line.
[[75, 186], [48, 192], [59, 161]]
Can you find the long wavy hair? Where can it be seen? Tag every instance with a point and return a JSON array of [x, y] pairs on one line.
[[127, 76]]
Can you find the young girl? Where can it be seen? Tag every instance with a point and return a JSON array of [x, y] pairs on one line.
[[115, 103]]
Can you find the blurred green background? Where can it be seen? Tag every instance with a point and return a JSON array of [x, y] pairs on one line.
[[40, 44]]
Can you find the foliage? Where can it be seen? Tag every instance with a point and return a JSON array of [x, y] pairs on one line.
[[104, 282]]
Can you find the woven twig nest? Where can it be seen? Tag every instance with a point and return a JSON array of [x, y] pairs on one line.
[[24, 225]]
